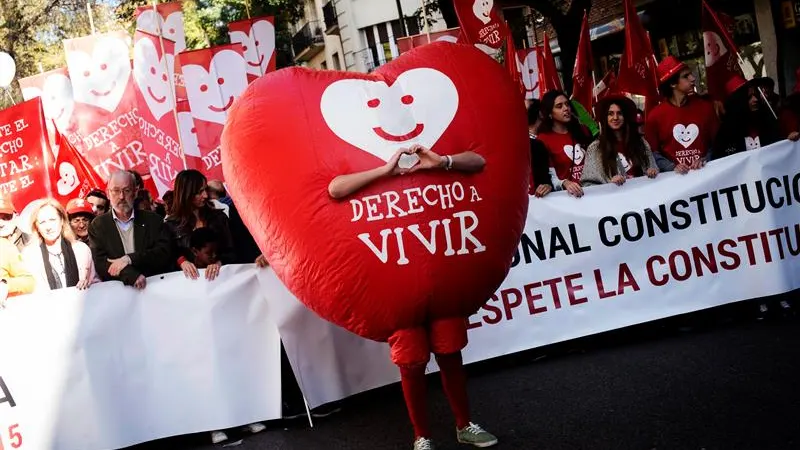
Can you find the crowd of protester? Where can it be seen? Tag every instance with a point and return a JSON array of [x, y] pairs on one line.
[[681, 134], [123, 234]]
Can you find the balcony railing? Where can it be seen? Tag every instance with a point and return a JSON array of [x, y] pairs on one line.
[[308, 42], [331, 19]]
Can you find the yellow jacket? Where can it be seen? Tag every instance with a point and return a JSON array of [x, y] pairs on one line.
[[13, 271]]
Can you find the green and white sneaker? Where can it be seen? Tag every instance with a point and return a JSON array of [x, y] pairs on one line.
[[423, 444], [475, 435]]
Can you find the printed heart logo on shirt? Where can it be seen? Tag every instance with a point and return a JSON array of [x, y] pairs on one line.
[[483, 10], [152, 76], [212, 89], [68, 179], [575, 153], [626, 163], [100, 79], [685, 134], [382, 118], [752, 143], [383, 258]]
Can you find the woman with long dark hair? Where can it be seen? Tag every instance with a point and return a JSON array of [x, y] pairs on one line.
[[565, 140], [189, 211], [620, 152], [749, 123], [59, 260]]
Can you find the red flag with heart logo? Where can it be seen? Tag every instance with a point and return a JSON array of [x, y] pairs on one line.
[[528, 66], [512, 63], [107, 120], [257, 37], [447, 237], [408, 43], [637, 67], [25, 154], [55, 89], [481, 23], [582, 75], [166, 20], [152, 71], [551, 81], [72, 176], [606, 86], [214, 77], [188, 133], [721, 53]]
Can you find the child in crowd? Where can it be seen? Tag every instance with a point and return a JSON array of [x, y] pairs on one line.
[[203, 243]]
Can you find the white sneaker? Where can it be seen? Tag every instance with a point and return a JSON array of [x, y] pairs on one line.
[[257, 427], [785, 305], [218, 436], [423, 444]]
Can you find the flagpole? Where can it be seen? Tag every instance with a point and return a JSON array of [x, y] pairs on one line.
[[170, 85], [8, 93], [91, 17]]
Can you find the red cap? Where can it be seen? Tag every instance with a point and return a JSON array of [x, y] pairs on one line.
[[735, 83], [79, 206], [6, 207], [668, 68]]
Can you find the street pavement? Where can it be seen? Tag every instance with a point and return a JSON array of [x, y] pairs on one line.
[[713, 380]]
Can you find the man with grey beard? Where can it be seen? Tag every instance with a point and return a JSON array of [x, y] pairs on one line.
[[128, 245]]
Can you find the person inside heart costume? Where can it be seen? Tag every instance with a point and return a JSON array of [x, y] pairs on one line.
[[390, 204]]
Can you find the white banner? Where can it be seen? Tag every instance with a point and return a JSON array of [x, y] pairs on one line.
[[113, 366], [619, 256]]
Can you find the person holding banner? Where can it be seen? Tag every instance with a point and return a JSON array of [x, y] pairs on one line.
[[191, 210], [748, 123], [8, 225], [540, 163], [15, 279], [681, 129], [80, 214], [620, 152], [565, 140], [445, 338], [59, 261]]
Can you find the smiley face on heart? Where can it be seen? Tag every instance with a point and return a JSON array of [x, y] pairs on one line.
[[212, 88], [188, 133], [347, 259], [575, 153], [685, 134], [68, 179], [100, 77], [172, 27], [258, 44], [483, 10], [529, 69], [152, 75], [380, 118]]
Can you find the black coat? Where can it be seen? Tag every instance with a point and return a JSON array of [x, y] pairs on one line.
[[540, 164], [151, 241], [180, 237]]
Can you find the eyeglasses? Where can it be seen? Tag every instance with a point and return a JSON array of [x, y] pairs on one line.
[[118, 191]]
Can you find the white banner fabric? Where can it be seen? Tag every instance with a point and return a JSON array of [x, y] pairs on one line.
[[111, 367], [617, 257]]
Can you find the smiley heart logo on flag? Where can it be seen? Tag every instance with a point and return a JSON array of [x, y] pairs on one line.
[[101, 77], [406, 249]]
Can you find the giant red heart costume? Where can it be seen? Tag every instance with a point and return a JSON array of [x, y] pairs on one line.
[[406, 249]]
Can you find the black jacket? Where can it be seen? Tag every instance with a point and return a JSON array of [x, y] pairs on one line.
[[540, 164], [152, 255], [180, 237]]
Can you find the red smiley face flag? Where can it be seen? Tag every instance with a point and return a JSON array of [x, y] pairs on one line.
[[257, 37], [406, 249]]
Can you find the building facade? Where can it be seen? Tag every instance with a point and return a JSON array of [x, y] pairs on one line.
[[355, 35]]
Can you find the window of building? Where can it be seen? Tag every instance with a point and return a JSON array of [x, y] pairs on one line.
[[337, 65]]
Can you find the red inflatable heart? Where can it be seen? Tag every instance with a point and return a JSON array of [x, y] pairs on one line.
[[432, 244]]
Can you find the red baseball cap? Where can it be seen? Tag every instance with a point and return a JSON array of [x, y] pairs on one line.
[[6, 207], [79, 206], [669, 67]]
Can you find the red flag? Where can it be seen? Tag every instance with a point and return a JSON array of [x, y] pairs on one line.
[[168, 18], [547, 69], [637, 69], [481, 23], [512, 63], [152, 70], [721, 53], [72, 176], [606, 86], [405, 44], [257, 36], [528, 66], [214, 78], [24, 153], [582, 75]]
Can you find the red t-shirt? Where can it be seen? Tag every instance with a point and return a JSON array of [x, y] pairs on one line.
[[624, 155], [682, 134], [566, 155]]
